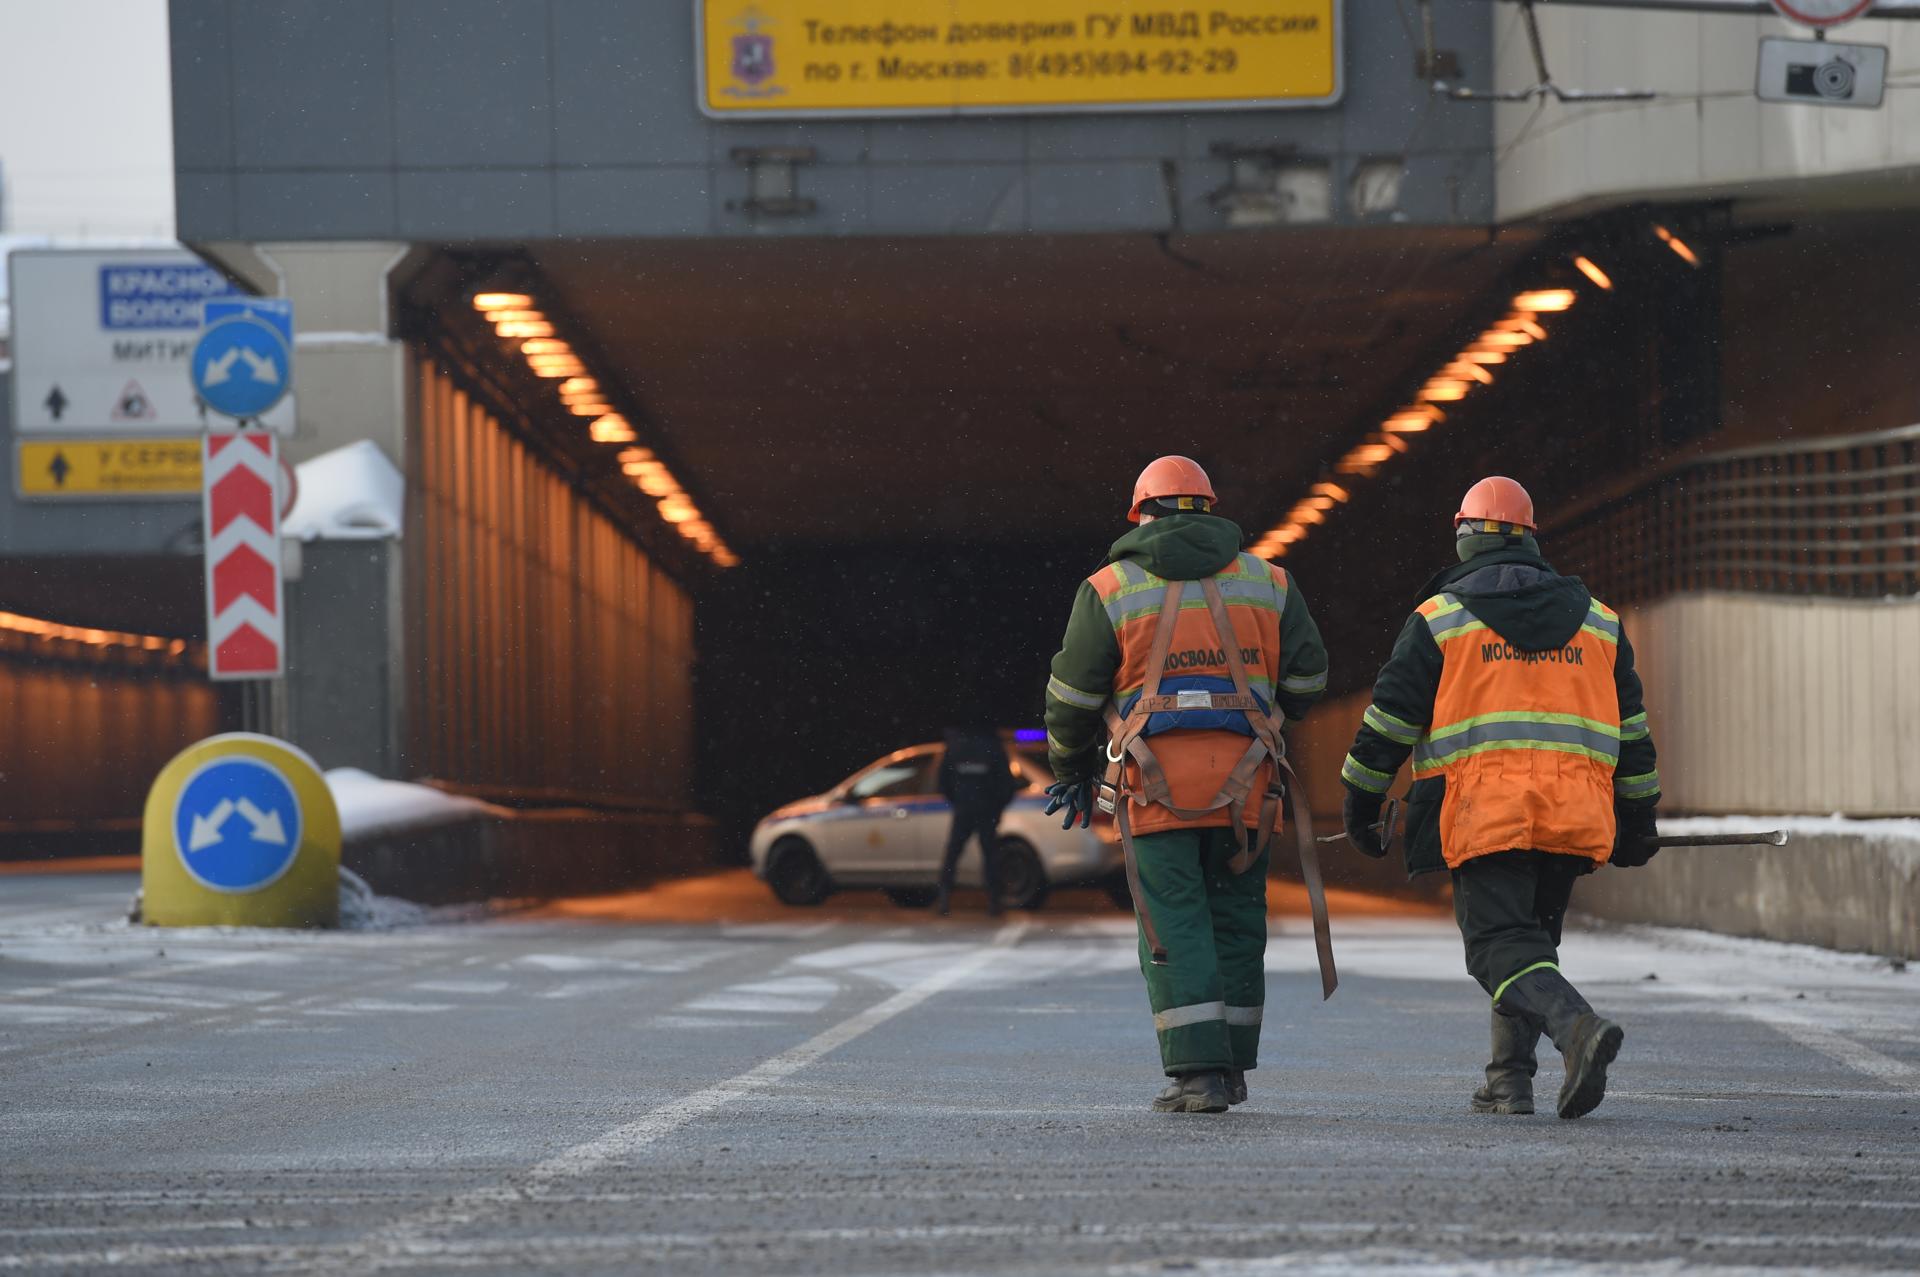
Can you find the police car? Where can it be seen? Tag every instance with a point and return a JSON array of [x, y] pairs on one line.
[[886, 825]]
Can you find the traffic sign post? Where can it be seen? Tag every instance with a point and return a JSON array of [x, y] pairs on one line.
[[246, 618], [242, 366], [240, 830]]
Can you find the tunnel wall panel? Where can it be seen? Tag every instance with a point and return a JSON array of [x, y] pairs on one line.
[[550, 656], [81, 742], [1760, 705]]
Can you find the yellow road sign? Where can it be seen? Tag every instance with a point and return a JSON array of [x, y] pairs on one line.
[[958, 57], [95, 468]]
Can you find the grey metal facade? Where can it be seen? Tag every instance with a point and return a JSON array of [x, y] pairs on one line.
[[461, 120]]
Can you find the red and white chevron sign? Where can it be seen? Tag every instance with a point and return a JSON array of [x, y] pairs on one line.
[[246, 622]]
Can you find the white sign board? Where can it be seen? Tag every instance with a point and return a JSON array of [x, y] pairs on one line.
[[103, 341], [1821, 73]]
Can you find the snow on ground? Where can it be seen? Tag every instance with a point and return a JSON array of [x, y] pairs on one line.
[[370, 805], [1907, 830]]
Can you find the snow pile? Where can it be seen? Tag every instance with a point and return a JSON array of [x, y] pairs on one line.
[[369, 805], [350, 494], [1895, 830], [362, 910]]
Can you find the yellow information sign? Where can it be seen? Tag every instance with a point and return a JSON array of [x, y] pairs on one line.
[[94, 468], [960, 57]]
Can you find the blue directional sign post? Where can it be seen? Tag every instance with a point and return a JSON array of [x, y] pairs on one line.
[[241, 830], [236, 824], [243, 363]]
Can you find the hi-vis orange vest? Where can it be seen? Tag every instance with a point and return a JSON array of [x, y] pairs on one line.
[[1197, 747], [1527, 741]]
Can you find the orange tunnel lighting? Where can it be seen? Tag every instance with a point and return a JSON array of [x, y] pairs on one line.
[[579, 385], [1678, 245], [516, 316], [523, 328], [1306, 514], [1499, 337], [1484, 356], [1521, 324], [678, 509], [1407, 423], [545, 346], [612, 428], [1545, 299], [590, 409], [1586, 267], [1466, 369], [1442, 391], [500, 301], [1333, 490], [629, 456]]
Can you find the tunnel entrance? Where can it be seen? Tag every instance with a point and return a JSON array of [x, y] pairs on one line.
[[918, 447]]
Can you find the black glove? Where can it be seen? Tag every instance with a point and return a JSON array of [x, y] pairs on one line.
[[1360, 813], [1634, 824], [1074, 795]]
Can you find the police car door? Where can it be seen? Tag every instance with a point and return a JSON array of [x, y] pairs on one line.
[[898, 807]]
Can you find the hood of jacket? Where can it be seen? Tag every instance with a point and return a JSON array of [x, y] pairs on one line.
[[1181, 547], [1519, 596]]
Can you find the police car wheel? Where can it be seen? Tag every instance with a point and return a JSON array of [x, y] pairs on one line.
[[1023, 880], [796, 874], [911, 897]]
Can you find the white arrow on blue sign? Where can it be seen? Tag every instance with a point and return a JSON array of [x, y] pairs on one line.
[[237, 824], [243, 363]]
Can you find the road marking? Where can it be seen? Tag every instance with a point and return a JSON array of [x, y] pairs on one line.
[[407, 1238], [1854, 1055]]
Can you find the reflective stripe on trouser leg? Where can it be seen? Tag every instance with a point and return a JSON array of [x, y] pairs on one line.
[[1237, 904], [1185, 991]]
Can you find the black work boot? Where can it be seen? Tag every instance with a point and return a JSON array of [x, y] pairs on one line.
[[1194, 1093], [1587, 1042], [1236, 1086], [1509, 1084]]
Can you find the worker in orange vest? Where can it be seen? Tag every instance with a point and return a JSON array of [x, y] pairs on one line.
[[1192, 655], [1513, 689]]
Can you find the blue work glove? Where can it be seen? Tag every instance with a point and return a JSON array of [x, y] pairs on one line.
[[1076, 796], [1360, 813]]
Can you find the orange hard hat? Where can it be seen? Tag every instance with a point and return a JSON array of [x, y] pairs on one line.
[[1169, 477], [1497, 499]]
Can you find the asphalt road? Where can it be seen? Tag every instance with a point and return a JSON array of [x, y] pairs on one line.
[[634, 1085]]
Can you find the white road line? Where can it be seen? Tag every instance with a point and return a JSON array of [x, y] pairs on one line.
[[1854, 1055], [407, 1238]]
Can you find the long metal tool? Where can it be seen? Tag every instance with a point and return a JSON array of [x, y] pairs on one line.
[[1765, 838]]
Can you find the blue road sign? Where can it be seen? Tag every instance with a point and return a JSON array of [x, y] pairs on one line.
[[237, 824], [243, 364]]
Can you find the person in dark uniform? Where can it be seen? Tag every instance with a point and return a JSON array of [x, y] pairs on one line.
[[977, 779]]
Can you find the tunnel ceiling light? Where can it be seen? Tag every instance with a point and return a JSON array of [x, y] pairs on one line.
[[612, 428], [516, 319], [53, 631], [1544, 300], [1456, 378], [1678, 245], [1600, 278]]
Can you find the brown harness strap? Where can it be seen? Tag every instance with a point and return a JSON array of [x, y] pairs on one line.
[[1126, 739]]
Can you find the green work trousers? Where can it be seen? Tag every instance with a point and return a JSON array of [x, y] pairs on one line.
[[1510, 907], [1208, 995]]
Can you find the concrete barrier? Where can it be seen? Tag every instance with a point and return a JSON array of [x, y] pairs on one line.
[[529, 854], [1839, 884]]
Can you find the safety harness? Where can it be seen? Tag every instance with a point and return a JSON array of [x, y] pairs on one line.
[[1126, 739]]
